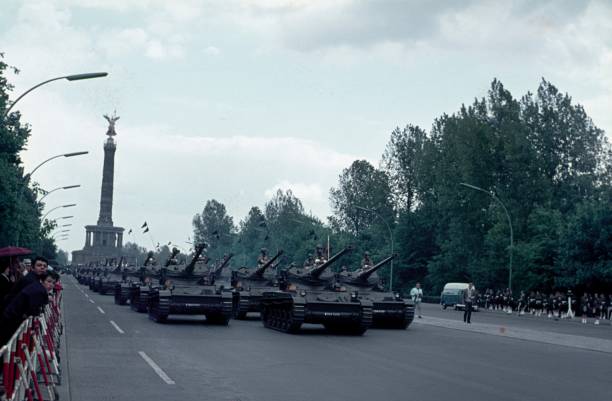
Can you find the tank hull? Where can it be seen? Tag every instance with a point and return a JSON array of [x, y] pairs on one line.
[[216, 307], [286, 312], [392, 314]]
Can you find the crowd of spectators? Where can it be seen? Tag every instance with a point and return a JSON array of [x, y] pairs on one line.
[[552, 305], [24, 291]]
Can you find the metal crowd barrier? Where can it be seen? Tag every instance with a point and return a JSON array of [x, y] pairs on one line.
[[30, 359]]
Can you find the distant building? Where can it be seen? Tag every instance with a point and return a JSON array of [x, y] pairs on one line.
[[103, 241]]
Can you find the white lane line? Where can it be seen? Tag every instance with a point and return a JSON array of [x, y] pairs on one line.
[[87, 295], [117, 327], [92, 301], [156, 368], [101, 310]]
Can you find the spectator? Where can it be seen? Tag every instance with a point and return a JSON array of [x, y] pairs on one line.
[[5, 282], [28, 302], [39, 268], [468, 299], [417, 296]]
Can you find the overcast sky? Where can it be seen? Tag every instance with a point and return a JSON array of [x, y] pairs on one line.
[[232, 99]]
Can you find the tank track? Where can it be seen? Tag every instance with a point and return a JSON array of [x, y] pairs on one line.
[[241, 308], [396, 323], [285, 316], [223, 317], [159, 308], [141, 301]]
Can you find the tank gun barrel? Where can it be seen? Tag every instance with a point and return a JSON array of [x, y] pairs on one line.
[[318, 270], [149, 259], [172, 256], [365, 274], [118, 267], [260, 270], [196, 255], [223, 264]]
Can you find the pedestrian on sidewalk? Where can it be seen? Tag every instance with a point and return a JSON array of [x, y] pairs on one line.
[[468, 300], [417, 296]]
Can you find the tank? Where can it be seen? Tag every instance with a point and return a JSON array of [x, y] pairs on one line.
[[95, 277], [112, 277], [190, 289], [306, 296], [389, 309], [139, 289], [250, 284], [130, 278]]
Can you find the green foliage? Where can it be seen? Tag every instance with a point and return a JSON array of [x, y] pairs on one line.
[[361, 186], [20, 213], [215, 228], [542, 157]]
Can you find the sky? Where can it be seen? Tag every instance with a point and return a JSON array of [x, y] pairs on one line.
[[234, 99]]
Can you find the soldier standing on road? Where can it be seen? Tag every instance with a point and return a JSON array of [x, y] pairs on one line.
[[468, 299], [417, 296]]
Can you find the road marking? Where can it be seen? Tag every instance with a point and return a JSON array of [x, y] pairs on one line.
[[101, 310], [156, 368], [87, 295], [117, 327], [92, 301]]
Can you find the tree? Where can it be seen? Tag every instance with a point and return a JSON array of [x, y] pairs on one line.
[[361, 186], [215, 228], [402, 160], [20, 213]]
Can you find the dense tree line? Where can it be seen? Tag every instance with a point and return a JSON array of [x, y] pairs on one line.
[[539, 156], [20, 212]]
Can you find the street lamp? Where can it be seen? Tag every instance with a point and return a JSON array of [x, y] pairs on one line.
[[66, 225], [492, 195], [57, 189], [365, 209], [58, 207], [72, 154], [65, 217], [74, 77]]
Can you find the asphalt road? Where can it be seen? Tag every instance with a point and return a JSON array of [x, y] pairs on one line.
[[113, 353]]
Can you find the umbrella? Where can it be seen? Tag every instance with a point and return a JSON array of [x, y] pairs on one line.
[[14, 251]]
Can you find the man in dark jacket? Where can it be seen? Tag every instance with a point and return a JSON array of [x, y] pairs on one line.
[[5, 282], [39, 267], [468, 299], [29, 302]]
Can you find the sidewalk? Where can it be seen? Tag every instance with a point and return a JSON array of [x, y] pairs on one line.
[[507, 330]]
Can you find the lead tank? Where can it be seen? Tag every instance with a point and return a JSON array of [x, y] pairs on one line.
[[306, 296], [189, 289], [250, 284], [389, 309]]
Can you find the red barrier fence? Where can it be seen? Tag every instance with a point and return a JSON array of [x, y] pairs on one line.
[[30, 359]]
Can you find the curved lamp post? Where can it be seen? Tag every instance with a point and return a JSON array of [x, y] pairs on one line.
[[72, 154], [492, 195], [74, 77], [58, 207], [365, 209], [57, 189]]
